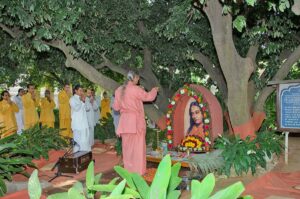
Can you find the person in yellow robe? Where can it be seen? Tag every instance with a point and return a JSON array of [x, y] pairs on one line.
[[105, 106], [30, 102], [65, 111], [8, 123], [47, 115]]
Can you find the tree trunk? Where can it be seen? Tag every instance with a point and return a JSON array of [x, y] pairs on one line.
[[236, 70]]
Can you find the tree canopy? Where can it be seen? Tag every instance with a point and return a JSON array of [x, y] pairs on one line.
[[241, 45]]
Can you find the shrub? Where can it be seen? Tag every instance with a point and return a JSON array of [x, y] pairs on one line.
[[18, 151], [245, 155]]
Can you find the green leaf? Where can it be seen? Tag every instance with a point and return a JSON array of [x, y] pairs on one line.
[[233, 191], [90, 180], [247, 197], [161, 179], [141, 185], [3, 188], [174, 180], [103, 188], [63, 195], [251, 2], [125, 175], [113, 181], [34, 186], [204, 189], [75, 194], [239, 23], [78, 186], [97, 178], [174, 194], [119, 189], [132, 192]]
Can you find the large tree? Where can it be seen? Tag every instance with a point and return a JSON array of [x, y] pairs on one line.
[[103, 39], [263, 46]]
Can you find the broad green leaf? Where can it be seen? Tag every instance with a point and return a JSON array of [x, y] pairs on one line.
[[124, 196], [90, 180], [174, 194], [97, 178], [251, 2], [125, 175], [63, 195], [113, 181], [132, 192], [239, 23], [103, 188], [3, 188], [233, 191], [78, 186], [161, 179], [34, 186], [247, 197], [75, 194], [141, 185], [174, 180], [204, 189], [119, 189]]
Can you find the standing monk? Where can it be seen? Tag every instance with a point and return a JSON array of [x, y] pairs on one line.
[[19, 115], [47, 105], [8, 124], [30, 102], [79, 124], [105, 106], [129, 100], [65, 111]]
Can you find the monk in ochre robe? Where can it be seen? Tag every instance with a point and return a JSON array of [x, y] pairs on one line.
[[129, 100], [105, 106], [65, 111], [47, 115], [196, 120], [30, 102], [8, 124]]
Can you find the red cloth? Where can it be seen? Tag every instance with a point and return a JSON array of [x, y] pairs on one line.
[[274, 184]]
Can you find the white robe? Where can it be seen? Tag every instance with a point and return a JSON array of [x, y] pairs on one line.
[[19, 115], [115, 114], [90, 110], [79, 124], [97, 112]]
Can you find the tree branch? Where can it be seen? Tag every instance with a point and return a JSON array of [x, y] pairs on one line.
[[280, 75], [110, 65], [214, 72], [13, 32]]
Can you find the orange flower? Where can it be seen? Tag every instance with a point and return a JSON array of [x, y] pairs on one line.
[[169, 137], [204, 115]]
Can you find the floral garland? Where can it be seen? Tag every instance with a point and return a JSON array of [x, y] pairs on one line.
[[186, 90]]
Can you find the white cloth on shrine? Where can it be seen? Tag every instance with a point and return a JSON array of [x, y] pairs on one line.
[[79, 124]]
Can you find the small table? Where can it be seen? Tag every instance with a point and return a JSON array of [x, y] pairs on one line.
[[156, 159]]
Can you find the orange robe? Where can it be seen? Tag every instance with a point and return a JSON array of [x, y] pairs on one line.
[[31, 117], [64, 114], [105, 108], [47, 116], [8, 124], [197, 131], [132, 125]]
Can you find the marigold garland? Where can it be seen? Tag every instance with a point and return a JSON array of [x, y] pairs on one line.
[[186, 90]]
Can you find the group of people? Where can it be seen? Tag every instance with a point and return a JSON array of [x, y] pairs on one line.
[[78, 115], [77, 119]]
